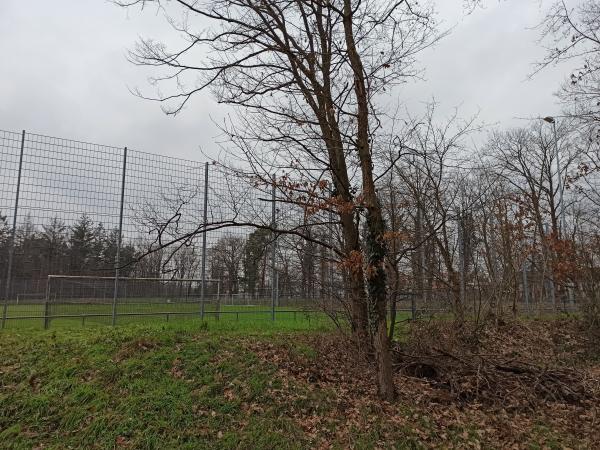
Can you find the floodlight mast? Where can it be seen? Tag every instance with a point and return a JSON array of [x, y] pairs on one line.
[[561, 213]]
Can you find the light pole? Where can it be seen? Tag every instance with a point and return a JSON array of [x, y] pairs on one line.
[[561, 218]]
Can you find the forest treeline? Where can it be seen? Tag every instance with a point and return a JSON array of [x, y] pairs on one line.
[[240, 263]]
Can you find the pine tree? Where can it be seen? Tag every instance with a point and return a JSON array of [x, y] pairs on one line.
[[53, 250], [82, 246], [254, 253]]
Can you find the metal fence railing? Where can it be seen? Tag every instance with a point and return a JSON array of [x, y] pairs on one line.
[[83, 229], [81, 223]]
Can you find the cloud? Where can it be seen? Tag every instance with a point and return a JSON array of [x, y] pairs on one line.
[[65, 73]]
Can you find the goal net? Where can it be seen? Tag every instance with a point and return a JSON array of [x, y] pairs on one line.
[[92, 298], [101, 290]]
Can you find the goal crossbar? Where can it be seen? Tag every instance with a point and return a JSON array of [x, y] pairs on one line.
[[91, 277]]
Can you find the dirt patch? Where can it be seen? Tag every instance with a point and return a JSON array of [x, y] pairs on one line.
[[130, 348]]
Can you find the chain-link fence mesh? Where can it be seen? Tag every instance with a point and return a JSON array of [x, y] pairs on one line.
[[92, 233], [105, 234]]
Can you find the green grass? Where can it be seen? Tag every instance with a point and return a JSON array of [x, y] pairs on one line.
[[204, 385], [88, 314], [138, 387]]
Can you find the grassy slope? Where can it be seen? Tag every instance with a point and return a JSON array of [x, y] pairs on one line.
[[140, 387], [179, 386]]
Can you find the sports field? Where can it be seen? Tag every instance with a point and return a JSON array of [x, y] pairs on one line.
[[89, 314]]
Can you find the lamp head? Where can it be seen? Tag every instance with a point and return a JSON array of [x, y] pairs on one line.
[[549, 119]]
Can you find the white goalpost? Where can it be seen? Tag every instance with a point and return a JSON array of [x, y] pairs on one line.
[[101, 298], [101, 290]]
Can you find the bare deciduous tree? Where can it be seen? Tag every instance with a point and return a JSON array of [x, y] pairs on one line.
[[306, 77], [573, 35]]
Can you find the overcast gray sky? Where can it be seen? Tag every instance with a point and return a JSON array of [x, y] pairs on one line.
[[64, 73]]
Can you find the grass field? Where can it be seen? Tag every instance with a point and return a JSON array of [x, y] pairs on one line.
[[87, 314]]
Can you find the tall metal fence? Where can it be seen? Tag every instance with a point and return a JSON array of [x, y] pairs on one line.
[[84, 228], [76, 219]]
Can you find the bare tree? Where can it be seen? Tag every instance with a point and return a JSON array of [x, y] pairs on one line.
[[186, 262], [306, 76], [432, 179], [226, 261], [573, 35]]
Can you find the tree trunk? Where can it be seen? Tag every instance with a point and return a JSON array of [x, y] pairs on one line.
[[376, 249], [360, 316], [376, 286]]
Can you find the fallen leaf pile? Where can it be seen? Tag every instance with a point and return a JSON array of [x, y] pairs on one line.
[[514, 385]]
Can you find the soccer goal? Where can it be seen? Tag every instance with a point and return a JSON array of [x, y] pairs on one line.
[[102, 290]]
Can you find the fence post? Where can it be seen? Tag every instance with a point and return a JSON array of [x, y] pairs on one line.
[[47, 304], [461, 258], [273, 253], [331, 256], [277, 297], [205, 222], [11, 245], [423, 261], [550, 282], [526, 287], [119, 240], [494, 269], [571, 297]]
